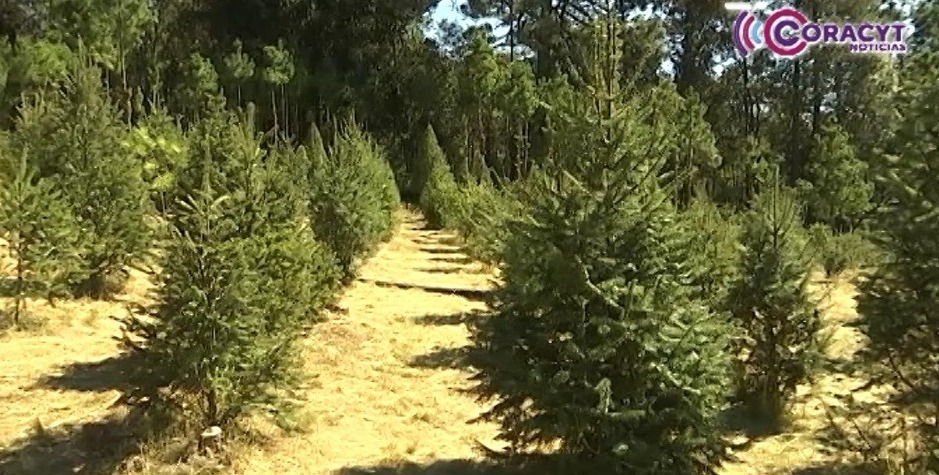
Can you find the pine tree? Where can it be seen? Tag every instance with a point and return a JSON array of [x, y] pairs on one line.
[[481, 218], [316, 148], [41, 232], [198, 86], [241, 277], [160, 146], [596, 341], [439, 194], [277, 72], [238, 68], [770, 303], [899, 298], [103, 185], [357, 198], [715, 244], [837, 190]]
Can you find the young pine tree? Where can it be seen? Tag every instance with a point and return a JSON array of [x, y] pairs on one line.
[[238, 69], [41, 232], [482, 217], [770, 303], [899, 300], [439, 193], [160, 146], [838, 191], [356, 198], [102, 184], [198, 85], [241, 278], [715, 244], [596, 342], [316, 149]]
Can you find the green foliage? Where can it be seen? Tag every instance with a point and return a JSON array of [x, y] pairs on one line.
[[356, 200], [102, 184], [596, 329], [837, 253], [689, 142], [838, 191], [238, 68], [288, 180], [899, 298], [439, 193], [107, 30], [41, 233], [520, 91], [770, 303], [37, 65], [160, 146], [481, 219], [316, 150], [597, 341], [241, 277], [198, 86], [715, 244], [746, 170], [278, 67]]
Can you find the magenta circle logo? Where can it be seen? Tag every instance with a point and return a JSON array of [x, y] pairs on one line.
[[782, 32]]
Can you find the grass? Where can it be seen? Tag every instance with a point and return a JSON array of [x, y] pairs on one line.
[[383, 394]]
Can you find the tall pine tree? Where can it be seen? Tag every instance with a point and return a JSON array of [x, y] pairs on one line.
[[898, 302], [597, 343], [778, 344], [241, 277], [102, 184]]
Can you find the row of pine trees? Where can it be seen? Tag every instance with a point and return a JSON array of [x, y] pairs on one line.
[[632, 312], [249, 236]]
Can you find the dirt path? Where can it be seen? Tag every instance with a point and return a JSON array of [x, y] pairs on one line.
[[386, 387]]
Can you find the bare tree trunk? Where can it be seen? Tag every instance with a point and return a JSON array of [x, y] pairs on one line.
[[274, 105]]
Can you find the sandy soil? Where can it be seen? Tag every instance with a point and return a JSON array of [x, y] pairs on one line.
[[384, 394]]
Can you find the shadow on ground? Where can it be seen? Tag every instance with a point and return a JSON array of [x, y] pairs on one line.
[[439, 239], [95, 448], [97, 376], [452, 251], [469, 294], [836, 468], [442, 320], [737, 419], [443, 358], [456, 259], [531, 465], [446, 269], [845, 366]]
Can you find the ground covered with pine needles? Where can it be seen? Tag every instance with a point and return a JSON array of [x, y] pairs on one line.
[[386, 387]]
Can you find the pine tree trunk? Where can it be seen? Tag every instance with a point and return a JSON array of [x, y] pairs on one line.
[[283, 108], [20, 287], [211, 400], [274, 106]]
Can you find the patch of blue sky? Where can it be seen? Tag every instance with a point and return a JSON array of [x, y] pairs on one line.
[[450, 11]]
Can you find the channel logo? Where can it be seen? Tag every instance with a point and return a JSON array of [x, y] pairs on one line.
[[788, 32], [748, 33]]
